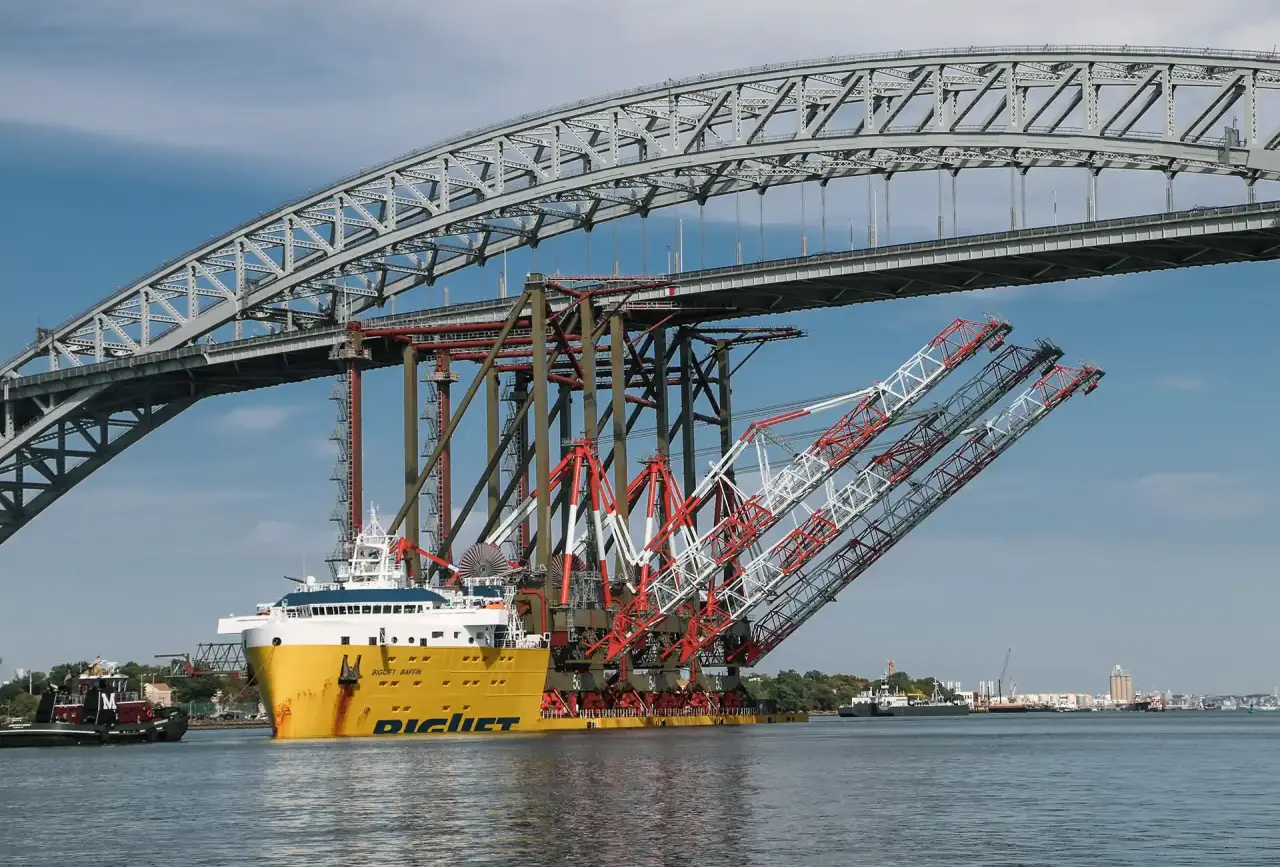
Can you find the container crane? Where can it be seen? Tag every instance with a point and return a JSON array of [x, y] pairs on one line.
[[752, 584], [875, 534], [661, 593]]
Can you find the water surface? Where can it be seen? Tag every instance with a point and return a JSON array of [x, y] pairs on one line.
[[1060, 789]]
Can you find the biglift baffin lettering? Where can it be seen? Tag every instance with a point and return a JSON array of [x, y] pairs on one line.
[[455, 723]]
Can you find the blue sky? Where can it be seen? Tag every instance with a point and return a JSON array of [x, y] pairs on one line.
[[1131, 528]]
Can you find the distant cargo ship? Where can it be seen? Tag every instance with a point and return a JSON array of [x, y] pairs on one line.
[[887, 703]]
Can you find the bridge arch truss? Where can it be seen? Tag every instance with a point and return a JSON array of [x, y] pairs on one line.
[[416, 219]]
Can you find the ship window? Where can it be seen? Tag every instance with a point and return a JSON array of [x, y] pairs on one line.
[[411, 639], [396, 609], [373, 640], [366, 609], [377, 609], [346, 639], [457, 635], [342, 609], [437, 635]]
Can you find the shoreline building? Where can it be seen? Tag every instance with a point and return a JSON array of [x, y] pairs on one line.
[[1121, 686]]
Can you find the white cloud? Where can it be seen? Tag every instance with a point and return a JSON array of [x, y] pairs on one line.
[[1181, 382], [1201, 497], [287, 537], [323, 448], [255, 419], [269, 81]]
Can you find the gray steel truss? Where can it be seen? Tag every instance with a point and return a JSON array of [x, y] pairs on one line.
[[295, 272], [42, 458], [43, 455]]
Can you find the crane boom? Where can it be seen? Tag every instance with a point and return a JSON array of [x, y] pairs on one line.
[[679, 578], [874, 535], [1004, 672], [757, 580]]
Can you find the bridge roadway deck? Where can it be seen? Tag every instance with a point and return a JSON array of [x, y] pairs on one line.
[[44, 452], [1243, 233]]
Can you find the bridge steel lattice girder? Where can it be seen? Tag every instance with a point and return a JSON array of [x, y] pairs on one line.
[[335, 253], [34, 407], [454, 197]]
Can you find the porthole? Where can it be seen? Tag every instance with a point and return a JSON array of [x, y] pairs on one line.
[[276, 641], [394, 639]]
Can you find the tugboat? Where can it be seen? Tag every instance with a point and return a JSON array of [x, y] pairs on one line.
[[96, 711]]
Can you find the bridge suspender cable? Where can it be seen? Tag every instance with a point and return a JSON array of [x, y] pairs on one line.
[[461, 410]]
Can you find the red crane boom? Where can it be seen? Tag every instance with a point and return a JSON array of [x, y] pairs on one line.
[[752, 584], [875, 535], [680, 578]]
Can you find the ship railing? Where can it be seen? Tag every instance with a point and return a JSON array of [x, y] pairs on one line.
[[65, 700]]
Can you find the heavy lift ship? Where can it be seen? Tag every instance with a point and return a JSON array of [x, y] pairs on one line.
[[491, 644]]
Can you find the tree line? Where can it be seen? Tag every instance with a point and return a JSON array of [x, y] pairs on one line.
[[18, 698], [816, 691]]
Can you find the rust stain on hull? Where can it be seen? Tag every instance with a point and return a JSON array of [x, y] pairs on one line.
[[344, 704]]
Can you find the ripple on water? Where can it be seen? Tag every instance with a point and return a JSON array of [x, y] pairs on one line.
[[1081, 789]]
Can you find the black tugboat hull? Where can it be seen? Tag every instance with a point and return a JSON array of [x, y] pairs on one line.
[[871, 709], [928, 710], [862, 708], [74, 735], [49, 735]]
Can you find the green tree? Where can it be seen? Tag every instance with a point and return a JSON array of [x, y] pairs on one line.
[[12, 689], [816, 691], [21, 705], [201, 688]]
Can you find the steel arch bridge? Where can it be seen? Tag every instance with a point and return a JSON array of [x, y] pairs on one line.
[[409, 222]]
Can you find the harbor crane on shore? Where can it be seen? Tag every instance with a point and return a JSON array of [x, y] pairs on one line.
[[1004, 672]]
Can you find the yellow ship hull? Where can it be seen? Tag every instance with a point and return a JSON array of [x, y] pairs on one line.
[[440, 690]]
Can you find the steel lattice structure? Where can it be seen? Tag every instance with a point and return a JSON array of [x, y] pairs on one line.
[[756, 581], [877, 532], [680, 578], [348, 248]]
